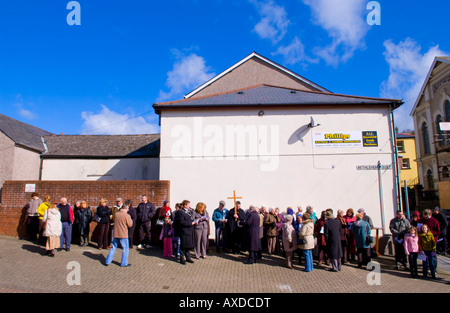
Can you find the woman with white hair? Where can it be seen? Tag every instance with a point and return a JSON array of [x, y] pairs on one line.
[[289, 239], [52, 229]]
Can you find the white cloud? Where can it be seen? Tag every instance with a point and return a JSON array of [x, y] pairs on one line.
[[294, 53], [346, 25], [274, 22], [108, 122], [27, 114], [408, 68], [188, 72]]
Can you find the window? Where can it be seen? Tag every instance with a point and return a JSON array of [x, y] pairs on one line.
[[445, 173], [447, 118], [400, 146], [405, 163], [447, 110], [440, 134], [425, 138], [430, 181]]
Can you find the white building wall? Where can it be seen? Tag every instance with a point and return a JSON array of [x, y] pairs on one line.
[[280, 166], [101, 169]]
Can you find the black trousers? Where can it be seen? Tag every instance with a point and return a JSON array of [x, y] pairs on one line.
[[185, 254], [144, 232]]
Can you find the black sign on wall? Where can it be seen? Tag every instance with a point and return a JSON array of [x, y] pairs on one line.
[[370, 139]]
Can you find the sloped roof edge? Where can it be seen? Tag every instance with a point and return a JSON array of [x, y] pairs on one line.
[[254, 54], [443, 59]]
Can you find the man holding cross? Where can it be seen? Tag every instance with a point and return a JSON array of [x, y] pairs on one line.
[[236, 218]]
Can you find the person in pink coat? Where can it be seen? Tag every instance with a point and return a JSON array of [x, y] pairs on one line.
[[411, 244]]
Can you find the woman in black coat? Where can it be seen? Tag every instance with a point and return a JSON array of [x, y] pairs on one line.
[[83, 219], [333, 239], [104, 213], [252, 243], [184, 227]]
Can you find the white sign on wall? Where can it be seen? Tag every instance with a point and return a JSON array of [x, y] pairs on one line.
[[30, 187], [337, 139]]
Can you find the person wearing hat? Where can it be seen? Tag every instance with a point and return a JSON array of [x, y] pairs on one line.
[[116, 208], [333, 239], [32, 220], [306, 241], [366, 218], [219, 218]]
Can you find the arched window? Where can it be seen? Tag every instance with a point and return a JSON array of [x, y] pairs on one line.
[[445, 173], [440, 138], [447, 110], [447, 118], [426, 139], [430, 181]]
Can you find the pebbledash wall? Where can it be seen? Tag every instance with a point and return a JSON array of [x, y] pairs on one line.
[[14, 197]]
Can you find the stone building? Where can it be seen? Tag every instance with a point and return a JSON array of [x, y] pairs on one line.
[[431, 109]]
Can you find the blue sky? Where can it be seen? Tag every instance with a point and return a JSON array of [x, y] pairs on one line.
[[103, 76]]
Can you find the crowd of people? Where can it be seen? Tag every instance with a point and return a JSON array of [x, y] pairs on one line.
[[421, 237], [332, 238]]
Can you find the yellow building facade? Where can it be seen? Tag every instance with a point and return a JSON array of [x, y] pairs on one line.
[[406, 146]]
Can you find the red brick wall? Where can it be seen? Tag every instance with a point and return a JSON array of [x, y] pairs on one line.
[[14, 198]]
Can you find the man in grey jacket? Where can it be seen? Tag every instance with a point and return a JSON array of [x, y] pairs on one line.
[[399, 226]]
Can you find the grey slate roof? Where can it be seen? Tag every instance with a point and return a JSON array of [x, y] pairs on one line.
[[265, 95], [102, 146], [23, 134]]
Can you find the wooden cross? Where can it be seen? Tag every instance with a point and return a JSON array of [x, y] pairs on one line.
[[235, 206]]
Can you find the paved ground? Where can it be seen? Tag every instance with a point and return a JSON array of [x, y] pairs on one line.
[[24, 268]]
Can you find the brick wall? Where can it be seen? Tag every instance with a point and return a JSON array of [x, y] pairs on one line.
[[14, 198]]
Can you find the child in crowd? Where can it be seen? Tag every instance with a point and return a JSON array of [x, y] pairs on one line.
[[166, 236], [411, 244], [427, 247]]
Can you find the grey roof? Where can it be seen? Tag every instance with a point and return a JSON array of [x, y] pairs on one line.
[[23, 134], [102, 146], [265, 95]]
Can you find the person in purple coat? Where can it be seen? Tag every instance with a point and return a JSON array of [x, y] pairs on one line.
[[252, 241]]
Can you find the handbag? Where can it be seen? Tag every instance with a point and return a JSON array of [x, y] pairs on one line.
[[301, 241], [369, 240], [160, 222], [97, 218]]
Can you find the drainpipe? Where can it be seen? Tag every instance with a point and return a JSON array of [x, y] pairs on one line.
[[42, 161], [397, 174]]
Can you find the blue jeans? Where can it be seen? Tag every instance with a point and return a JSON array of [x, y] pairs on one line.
[[124, 243], [429, 262], [66, 235], [220, 238], [308, 260]]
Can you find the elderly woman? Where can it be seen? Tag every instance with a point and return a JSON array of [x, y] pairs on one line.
[[306, 241], [270, 224], [289, 239], [52, 229], [361, 230]]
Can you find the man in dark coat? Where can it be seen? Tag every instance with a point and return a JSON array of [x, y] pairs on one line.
[[145, 211], [235, 230], [441, 245], [333, 238], [251, 239], [184, 227]]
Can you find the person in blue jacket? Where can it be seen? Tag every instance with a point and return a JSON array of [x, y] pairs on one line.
[[219, 218], [361, 231]]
